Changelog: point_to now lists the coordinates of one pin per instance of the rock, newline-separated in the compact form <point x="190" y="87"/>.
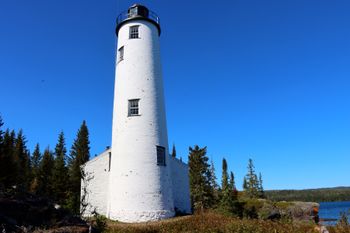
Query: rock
<point x="298" y="210"/>
<point x="303" y="210"/>
<point x="274" y="216"/>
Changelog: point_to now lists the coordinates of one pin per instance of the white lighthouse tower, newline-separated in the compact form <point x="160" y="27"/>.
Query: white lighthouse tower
<point x="140" y="186"/>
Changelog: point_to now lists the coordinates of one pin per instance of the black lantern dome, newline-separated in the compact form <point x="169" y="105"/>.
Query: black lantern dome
<point x="136" y="12"/>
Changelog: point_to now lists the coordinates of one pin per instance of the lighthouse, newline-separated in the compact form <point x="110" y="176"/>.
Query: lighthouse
<point x="140" y="182"/>
<point x="136" y="180"/>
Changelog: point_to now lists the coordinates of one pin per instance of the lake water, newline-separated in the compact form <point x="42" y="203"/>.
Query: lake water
<point x="332" y="210"/>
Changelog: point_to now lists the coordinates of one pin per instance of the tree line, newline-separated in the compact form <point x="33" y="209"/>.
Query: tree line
<point x="313" y="195"/>
<point x="206" y="193"/>
<point x="54" y="174"/>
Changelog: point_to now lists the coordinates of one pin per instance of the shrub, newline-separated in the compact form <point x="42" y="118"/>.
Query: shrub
<point x="252" y="207"/>
<point x="100" y="223"/>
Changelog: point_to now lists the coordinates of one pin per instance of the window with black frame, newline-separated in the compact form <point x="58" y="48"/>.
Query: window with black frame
<point x="134" y="107"/>
<point x="161" y="156"/>
<point x="121" y="54"/>
<point x="134" y="32"/>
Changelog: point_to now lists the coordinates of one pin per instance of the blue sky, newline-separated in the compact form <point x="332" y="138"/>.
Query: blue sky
<point x="267" y="80"/>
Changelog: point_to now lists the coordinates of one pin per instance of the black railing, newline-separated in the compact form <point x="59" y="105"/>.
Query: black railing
<point x="125" y="15"/>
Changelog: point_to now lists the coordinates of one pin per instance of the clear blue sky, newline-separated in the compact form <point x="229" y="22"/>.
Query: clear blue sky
<point x="267" y="80"/>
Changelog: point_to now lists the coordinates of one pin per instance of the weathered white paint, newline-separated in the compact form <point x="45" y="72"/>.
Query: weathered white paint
<point x="96" y="183"/>
<point x="181" y="186"/>
<point x="140" y="190"/>
<point x="135" y="188"/>
<point x="96" y="171"/>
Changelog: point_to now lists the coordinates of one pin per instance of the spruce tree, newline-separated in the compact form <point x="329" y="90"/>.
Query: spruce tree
<point x="245" y="186"/>
<point x="45" y="174"/>
<point x="173" y="153"/>
<point x="60" y="171"/>
<point x="8" y="168"/>
<point x="214" y="185"/>
<point x="224" y="177"/>
<point x="1" y="134"/>
<point x="79" y="154"/>
<point x="260" y="187"/>
<point x="226" y="202"/>
<point x="199" y="175"/>
<point x="233" y="189"/>
<point x="4" y="158"/>
<point x="252" y="183"/>
<point x="36" y="160"/>
<point x="22" y="159"/>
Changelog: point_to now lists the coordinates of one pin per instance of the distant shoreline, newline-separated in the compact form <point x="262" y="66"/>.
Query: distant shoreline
<point x="310" y="195"/>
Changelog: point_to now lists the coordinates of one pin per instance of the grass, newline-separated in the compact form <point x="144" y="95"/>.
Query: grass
<point x="213" y="223"/>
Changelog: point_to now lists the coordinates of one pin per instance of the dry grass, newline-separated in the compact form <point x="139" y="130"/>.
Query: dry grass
<point x="212" y="222"/>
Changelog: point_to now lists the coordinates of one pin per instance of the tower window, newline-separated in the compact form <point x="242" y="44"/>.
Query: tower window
<point x="160" y="155"/>
<point x="134" y="32"/>
<point x="121" y="54"/>
<point x="109" y="161"/>
<point x="133" y="107"/>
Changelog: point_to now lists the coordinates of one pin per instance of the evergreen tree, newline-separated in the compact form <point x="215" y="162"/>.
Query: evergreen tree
<point x="22" y="159"/>
<point x="79" y="154"/>
<point x="226" y="202"/>
<point x="199" y="175"/>
<point x="214" y="185"/>
<point x="8" y="168"/>
<point x="1" y="133"/>
<point x="232" y="184"/>
<point x="232" y="181"/>
<point x="4" y="158"/>
<point x="245" y="185"/>
<point x="260" y="187"/>
<point x="224" y="177"/>
<point x="36" y="160"/>
<point x="45" y="174"/>
<point x="60" y="171"/>
<point x="173" y="154"/>
<point x="252" y="183"/>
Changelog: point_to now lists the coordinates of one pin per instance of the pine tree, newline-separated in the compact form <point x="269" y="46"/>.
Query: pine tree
<point x="214" y="185"/>
<point x="36" y="160"/>
<point x="252" y="183"/>
<point x="232" y="184"/>
<point x="173" y="154"/>
<point x="8" y="168"/>
<point x="45" y="174"/>
<point x="60" y="171"/>
<point x="2" y="161"/>
<point x="245" y="185"/>
<point x="22" y="159"/>
<point x="226" y="202"/>
<point x="6" y="160"/>
<point x="224" y="177"/>
<point x="1" y="133"/>
<point x="199" y="175"/>
<point x="260" y="187"/>
<point x="79" y="154"/>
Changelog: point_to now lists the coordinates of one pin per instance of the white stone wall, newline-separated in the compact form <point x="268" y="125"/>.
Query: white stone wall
<point x="97" y="180"/>
<point x="97" y="185"/>
<point x="181" y="186"/>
